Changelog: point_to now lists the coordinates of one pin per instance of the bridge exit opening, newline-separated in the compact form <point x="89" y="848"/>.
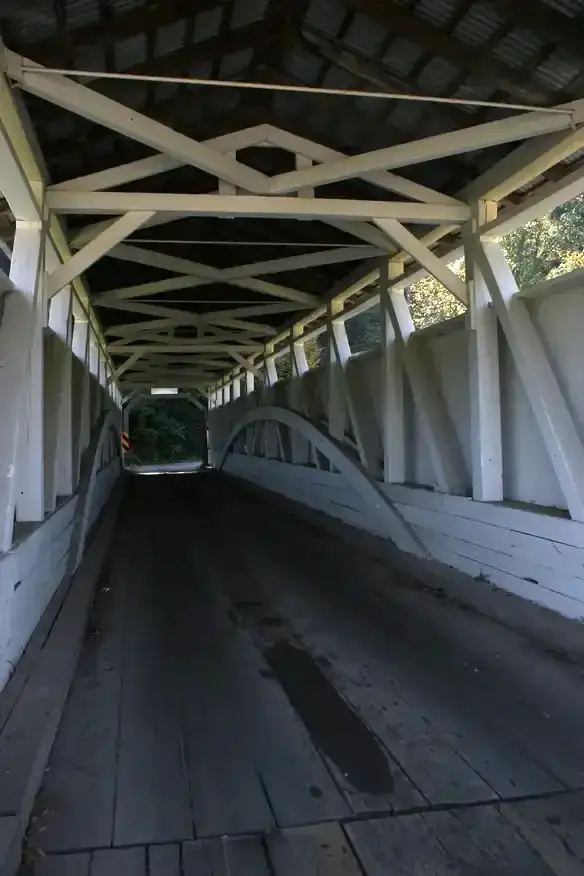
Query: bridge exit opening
<point x="167" y="431"/>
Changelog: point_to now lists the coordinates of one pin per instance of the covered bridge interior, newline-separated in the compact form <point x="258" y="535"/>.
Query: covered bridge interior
<point x="352" y="642"/>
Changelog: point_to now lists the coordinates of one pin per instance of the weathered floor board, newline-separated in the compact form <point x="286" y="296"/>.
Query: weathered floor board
<point x="313" y="851"/>
<point x="255" y="698"/>
<point x="471" y="704"/>
<point x="76" y="864"/>
<point x="118" y="862"/>
<point x="164" y="860"/>
<point x="75" y="807"/>
<point x="555" y="828"/>
<point x="441" y="843"/>
<point x="152" y="800"/>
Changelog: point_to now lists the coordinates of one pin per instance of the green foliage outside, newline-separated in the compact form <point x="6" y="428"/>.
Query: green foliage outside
<point x="314" y="353"/>
<point x="166" y="430"/>
<point x="542" y="249"/>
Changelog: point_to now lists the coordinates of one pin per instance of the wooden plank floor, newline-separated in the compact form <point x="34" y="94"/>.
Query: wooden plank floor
<point x="256" y="697"/>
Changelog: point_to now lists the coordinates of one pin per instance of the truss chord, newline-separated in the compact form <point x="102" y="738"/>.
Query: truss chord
<point x="303" y="89"/>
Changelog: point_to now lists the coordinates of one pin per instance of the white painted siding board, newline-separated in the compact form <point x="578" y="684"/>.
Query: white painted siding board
<point x="418" y="460"/>
<point x="559" y="320"/>
<point x="528" y="475"/>
<point x="539" y="577"/>
<point x="36" y="567"/>
<point x="571" y="608"/>
<point x="508" y="558"/>
<point x="336" y="500"/>
<point x="557" y="529"/>
<point x="522" y="546"/>
<point x="449" y="354"/>
<point x="29" y="551"/>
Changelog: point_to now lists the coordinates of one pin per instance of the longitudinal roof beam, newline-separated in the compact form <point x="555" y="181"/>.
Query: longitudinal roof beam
<point x="254" y="205"/>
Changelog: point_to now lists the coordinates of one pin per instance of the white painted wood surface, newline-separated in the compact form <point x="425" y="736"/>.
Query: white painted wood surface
<point x="444" y="347"/>
<point x="32" y="571"/>
<point x="517" y="550"/>
<point x="484" y="377"/>
<point x="526" y="543"/>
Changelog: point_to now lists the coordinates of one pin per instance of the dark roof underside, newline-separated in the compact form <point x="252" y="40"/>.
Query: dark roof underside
<point x="527" y="51"/>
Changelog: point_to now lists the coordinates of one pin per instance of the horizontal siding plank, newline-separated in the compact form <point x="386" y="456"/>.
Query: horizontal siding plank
<point x="521" y="567"/>
<point x="565" y="605"/>
<point x="563" y="559"/>
<point x="536" y="523"/>
<point x="511" y="548"/>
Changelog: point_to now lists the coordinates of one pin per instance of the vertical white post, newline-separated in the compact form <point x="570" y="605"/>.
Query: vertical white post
<point x="93" y="354"/>
<point x="59" y="387"/>
<point x="81" y="334"/>
<point x="338" y="347"/>
<point x="103" y="370"/>
<point x="235" y="396"/>
<point x="95" y="369"/>
<point x="270" y="364"/>
<point x="483" y="368"/>
<point x="99" y="382"/>
<point x="300" y="448"/>
<point x="548" y="404"/>
<point x="17" y="336"/>
<point x="249" y="383"/>
<point x="250" y="431"/>
<point x="298" y="360"/>
<point x="363" y="428"/>
<point x="271" y="439"/>
<point x="392" y="401"/>
<point x="60" y="309"/>
<point x="27" y="272"/>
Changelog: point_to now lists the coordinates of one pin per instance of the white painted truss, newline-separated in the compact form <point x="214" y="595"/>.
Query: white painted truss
<point x="230" y="351"/>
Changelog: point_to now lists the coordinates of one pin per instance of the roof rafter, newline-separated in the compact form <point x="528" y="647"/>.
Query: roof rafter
<point x="546" y="21"/>
<point x="122" y="26"/>
<point x="373" y="73"/>
<point x="402" y="20"/>
<point x="216" y="47"/>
